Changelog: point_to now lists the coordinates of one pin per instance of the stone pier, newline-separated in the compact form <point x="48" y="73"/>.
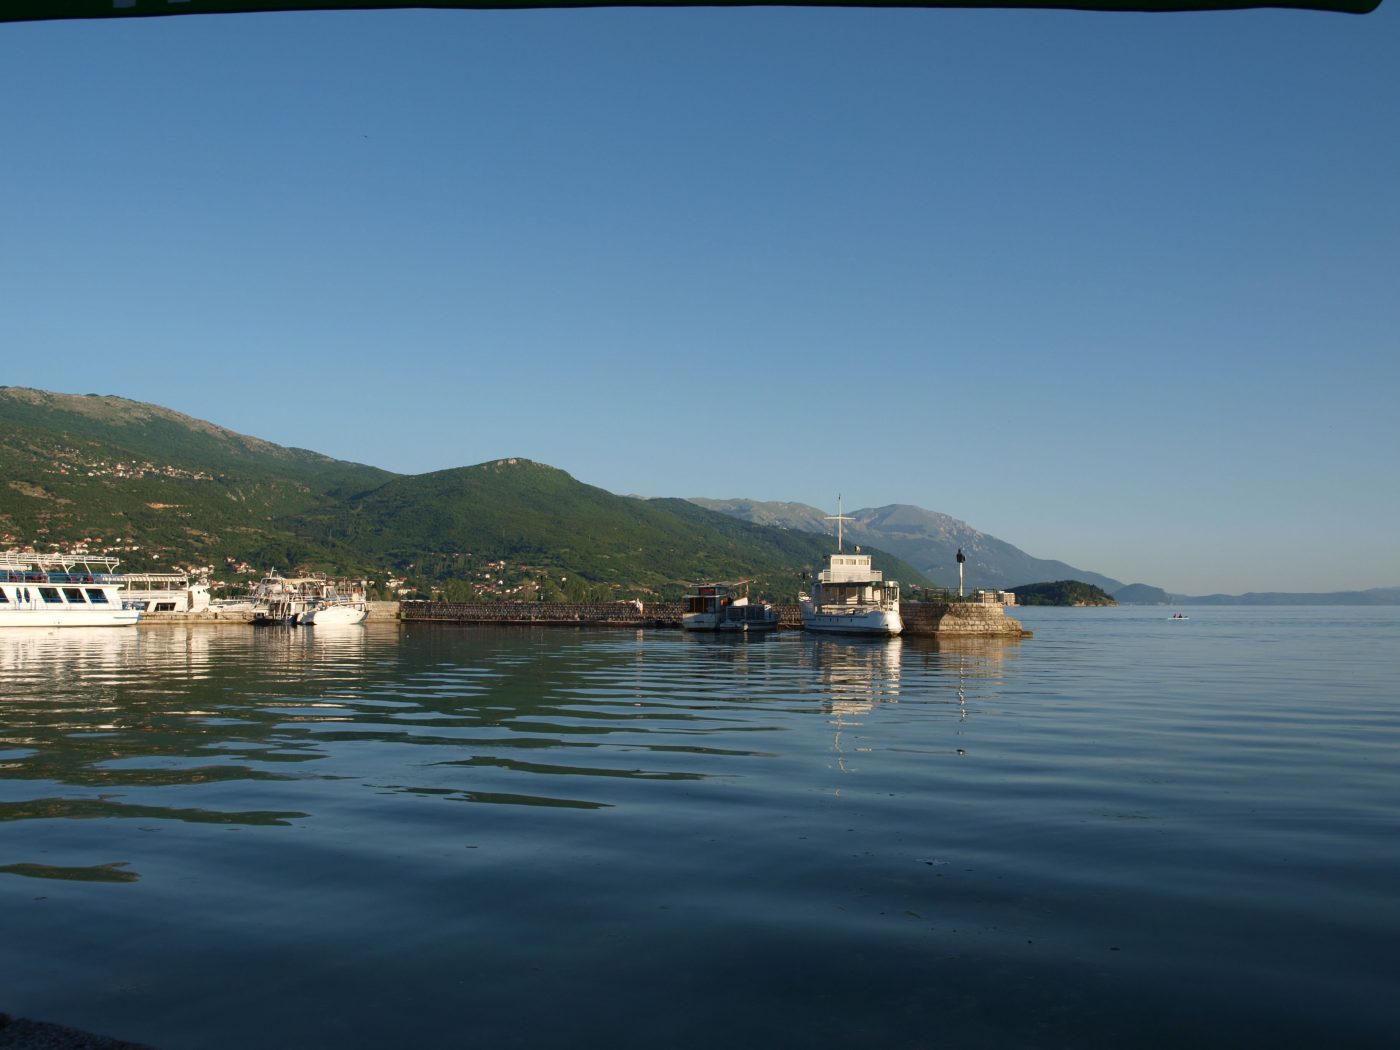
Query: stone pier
<point x="378" y="612"/>
<point x="960" y="619"/>
<point x="942" y="619"/>
<point x="970" y="619"/>
<point x="546" y="614"/>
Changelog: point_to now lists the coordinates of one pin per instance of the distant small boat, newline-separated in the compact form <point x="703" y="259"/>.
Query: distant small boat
<point x="1178" y="616"/>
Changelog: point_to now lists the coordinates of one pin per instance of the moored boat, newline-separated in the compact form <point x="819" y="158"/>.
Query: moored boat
<point x="849" y="596"/>
<point x="165" y="592"/>
<point x="61" y="590"/>
<point x="306" y="600"/>
<point x="330" y="614"/>
<point x="707" y="608"/>
<point x="283" y="599"/>
<point x="752" y="616"/>
<point x="331" y="608"/>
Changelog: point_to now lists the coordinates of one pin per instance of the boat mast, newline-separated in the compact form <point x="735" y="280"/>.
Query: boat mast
<point x="838" y="517"/>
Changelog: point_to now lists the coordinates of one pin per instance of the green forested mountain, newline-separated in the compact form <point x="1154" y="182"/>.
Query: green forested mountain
<point x="156" y="486"/>
<point x="159" y="489"/>
<point x="561" y="537"/>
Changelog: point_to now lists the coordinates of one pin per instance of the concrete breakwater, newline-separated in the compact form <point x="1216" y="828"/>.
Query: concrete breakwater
<point x="943" y="619"/>
<point x="562" y="614"/>
<point x="966" y="619"/>
<point x="378" y="612"/>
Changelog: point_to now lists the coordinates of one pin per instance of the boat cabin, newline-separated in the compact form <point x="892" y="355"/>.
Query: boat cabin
<point x="715" y="597"/>
<point x="850" y="580"/>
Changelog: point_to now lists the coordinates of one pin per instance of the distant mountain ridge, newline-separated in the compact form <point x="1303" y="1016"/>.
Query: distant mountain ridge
<point x="1141" y="594"/>
<point x="1373" y="596"/>
<point x="926" y="539"/>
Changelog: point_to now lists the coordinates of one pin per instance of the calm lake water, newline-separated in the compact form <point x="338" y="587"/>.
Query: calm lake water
<point x="1123" y="831"/>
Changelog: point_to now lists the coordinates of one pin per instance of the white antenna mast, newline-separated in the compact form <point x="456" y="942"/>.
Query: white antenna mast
<point x="838" y="517"/>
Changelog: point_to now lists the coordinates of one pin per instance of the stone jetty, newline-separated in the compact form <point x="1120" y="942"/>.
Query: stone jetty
<point x="378" y="612"/>
<point x="970" y="619"/>
<point x="942" y="619"/>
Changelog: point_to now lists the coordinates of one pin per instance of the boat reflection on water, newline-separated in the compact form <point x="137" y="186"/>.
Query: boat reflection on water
<point x="860" y="676"/>
<point x="321" y="667"/>
<point x="160" y="650"/>
<point x="341" y="639"/>
<point x="41" y="648"/>
<point x="157" y="650"/>
<point x="856" y="674"/>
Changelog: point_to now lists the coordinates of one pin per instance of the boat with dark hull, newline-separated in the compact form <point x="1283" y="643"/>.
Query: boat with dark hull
<point x="726" y="607"/>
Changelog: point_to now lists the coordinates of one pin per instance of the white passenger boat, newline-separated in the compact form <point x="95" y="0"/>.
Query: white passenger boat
<point x="61" y="590"/>
<point x="850" y="597"/>
<point x="165" y="592"/>
<point x="727" y="607"/>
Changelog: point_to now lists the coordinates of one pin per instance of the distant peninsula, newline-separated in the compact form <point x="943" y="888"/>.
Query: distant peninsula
<point x="1374" y="596"/>
<point x="1062" y="592"/>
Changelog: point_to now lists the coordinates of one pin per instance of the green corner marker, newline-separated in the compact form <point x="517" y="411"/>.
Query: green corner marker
<point x="41" y="10"/>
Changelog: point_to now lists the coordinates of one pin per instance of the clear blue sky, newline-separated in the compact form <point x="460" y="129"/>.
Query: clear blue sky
<point x="1118" y="289"/>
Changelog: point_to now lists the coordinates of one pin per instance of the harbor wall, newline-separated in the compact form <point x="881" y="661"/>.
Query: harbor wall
<point x="563" y="614"/>
<point x="943" y="619"/>
<point x="377" y="612"/>
<point x="968" y="619"/>
<point x="156" y="619"/>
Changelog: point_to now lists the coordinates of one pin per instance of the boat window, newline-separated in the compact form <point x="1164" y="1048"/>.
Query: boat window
<point x="50" y="594"/>
<point x="74" y="594"/>
<point x="4" y="595"/>
<point x="164" y="607"/>
<point x="97" y="596"/>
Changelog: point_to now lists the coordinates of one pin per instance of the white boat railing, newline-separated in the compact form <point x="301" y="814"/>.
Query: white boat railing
<point x="33" y="567"/>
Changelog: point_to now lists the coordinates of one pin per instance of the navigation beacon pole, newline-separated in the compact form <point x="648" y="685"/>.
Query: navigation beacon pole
<point x="961" y="558"/>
